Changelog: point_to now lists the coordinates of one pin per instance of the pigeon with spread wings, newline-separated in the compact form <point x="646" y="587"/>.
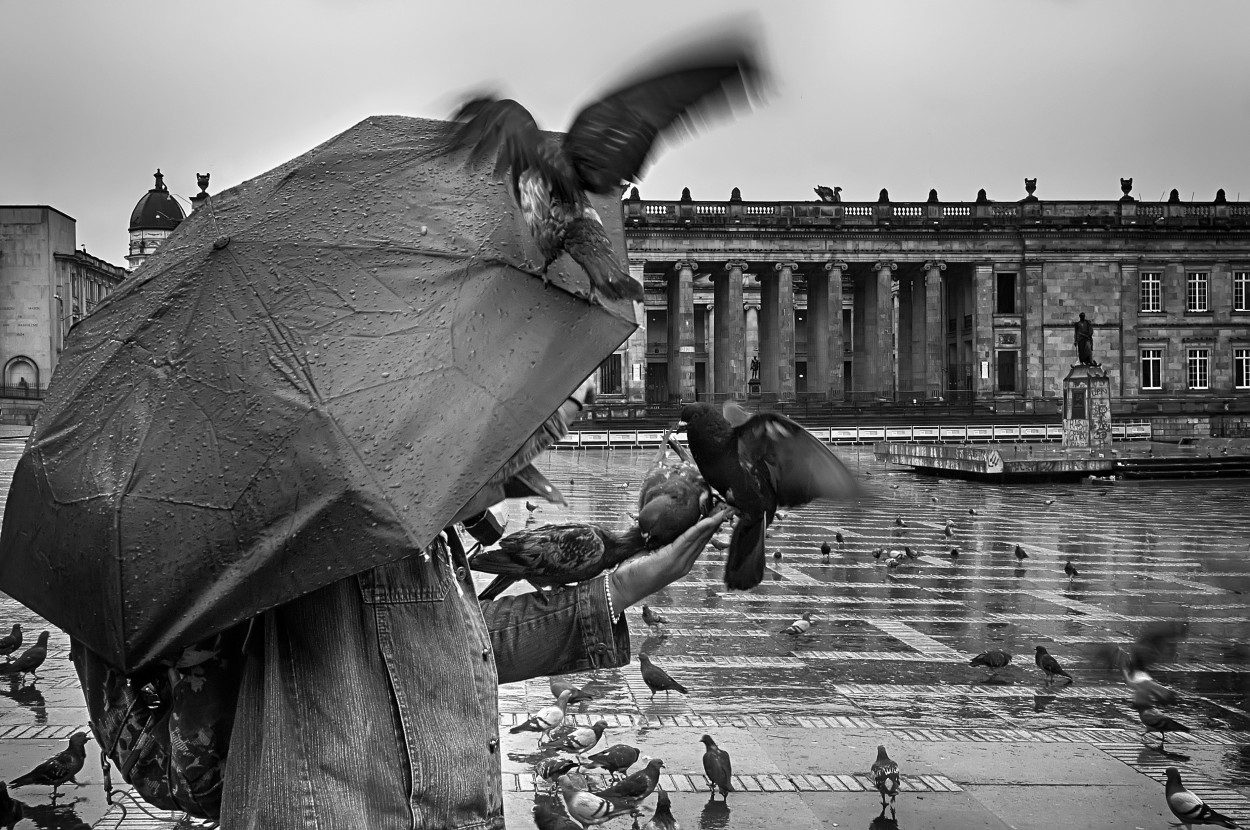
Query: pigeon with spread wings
<point x="759" y="463"/>
<point x="608" y="144"/>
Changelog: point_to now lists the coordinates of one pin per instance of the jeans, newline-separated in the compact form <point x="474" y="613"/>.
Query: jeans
<point x="372" y="703"/>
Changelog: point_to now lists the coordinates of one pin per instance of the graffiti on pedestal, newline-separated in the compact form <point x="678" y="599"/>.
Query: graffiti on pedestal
<point x="1100" y="413"/>
<point x="1076" y="433"/>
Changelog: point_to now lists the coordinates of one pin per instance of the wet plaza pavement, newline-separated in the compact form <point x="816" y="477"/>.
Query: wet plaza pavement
<point x="886" y="661"/>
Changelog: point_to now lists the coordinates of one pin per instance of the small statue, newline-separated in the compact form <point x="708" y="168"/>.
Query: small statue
<point x="755" y="368"/>
<point x="1084" y="331"/>
<point x="828" y="194"/>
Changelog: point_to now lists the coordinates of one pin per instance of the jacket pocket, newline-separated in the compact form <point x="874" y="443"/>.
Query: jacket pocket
<point x="423" y="577"/>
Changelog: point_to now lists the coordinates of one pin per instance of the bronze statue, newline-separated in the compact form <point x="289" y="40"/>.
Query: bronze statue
<point x="1084" y="331"/>
<point x="755" y="368"/>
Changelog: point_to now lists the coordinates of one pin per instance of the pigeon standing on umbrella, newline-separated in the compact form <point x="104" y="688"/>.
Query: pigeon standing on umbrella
<point x="759" y="463"/>
<point x="718" y="768"/>
<point x="657" y="679"/>
<point x="554" y="555"/>
<point x="546" y="719"/>
<point x="885" y="776"/>
<point x="12" y="641"/>
<point x="1188" y="808"/>
<point x="60" y="768"/>
<point x="1049" y="665"/>
<point x="608" y="143"/>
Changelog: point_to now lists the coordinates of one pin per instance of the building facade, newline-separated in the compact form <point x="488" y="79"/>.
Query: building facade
<point x="887" y="302"/>
<point x="156" y="215"/>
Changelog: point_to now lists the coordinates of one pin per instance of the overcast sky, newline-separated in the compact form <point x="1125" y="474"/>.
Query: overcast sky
<point x="866" y="94"/>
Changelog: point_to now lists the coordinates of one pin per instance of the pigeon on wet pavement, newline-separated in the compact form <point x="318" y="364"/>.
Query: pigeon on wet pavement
<point x="657" y="679"/>
<point x="800" y="626"/>
<point x="576" y="693"/>
<point x="547" y="718"/>
<point x="662" y="818"/>
<point x="60" y="768"/>
<point x="12" y="641"/>
<point x="550" y="769"/>
<point x="759" y="464"/>
<point x="586" y="807"/>
<point x="993" y="660"/>
<point x="636" y="786"/>
<point x="1020" y="554"/>
<point x="547" y="817"/>
<point x="615" y="759"/>
<point x="580" y="738"/>
<point x="554" y="555"/>
<point x="717" y="767"/>
<point x="10" y="811"/>
<point x="1156" y="721"/>
<point x="898" y="522"/>
<point x="1049" y="665"/>
<point x="839" y="538"/>
<point x="1071" y="570"/>
<point x="885" y="776"/>
<point x="1188" y="808"/>
<point x="29" y="661"/>
<point x="949" y="532"/>
<point x="654" y="620"/>
<point x="673" y="497"/>
<point x="825" y="549"/>
<point x="1147" y="691"/>
<point x="954" y="553"/>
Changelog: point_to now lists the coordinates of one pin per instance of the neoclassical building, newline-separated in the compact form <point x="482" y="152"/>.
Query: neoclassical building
<point x="953" y="301"/>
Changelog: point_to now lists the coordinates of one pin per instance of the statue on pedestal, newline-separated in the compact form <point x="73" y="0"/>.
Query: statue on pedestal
<point x="1084" y="332"/>
<point x="755" y="368"/>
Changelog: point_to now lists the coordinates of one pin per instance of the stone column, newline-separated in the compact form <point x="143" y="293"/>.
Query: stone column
<point x="785" y="329"/>
<point x="768" y="334"/>
<point x="835" y="347"/>
<point x="1032" y="370"/>
<point x="729" y="336"/>
<point x="681" y="331"/>
<point x="635" y="370"/>
<point x="819" y="355"/>
<point x="934" y="342"/>
<point x="906" y="297"/>
<point x="884" y="363"/>
<point x="1130" y="307"/>
<point x="983" y="331"/>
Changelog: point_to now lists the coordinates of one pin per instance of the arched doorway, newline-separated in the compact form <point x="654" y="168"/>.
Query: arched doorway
<point x="21" y="377"/>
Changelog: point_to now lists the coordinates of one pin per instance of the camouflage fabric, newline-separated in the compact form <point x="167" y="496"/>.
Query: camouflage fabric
<point x="167" y="730"/>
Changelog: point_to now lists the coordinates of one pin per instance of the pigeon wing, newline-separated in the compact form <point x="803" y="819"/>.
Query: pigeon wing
<point x="797" y="467"/>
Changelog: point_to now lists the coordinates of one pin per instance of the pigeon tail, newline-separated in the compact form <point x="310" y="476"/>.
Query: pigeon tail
<point x="744" y="566"/>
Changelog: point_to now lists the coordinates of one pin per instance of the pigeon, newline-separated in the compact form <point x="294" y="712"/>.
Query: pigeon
<point x="885" y="776"/>
<point x="949" y="532"/>
<point x="580" y="738"/>
<point x="765" y="462"/>
<point x="547" y="718"/>
<point x="1020" y="554"/>
<point x="60" y="768"/>
<point x="801" y="625"/>
<point x="1049" y="665"/>
<point x="972" y="511"/>
<point x="635" y="787"/>
<point x="954" y="553"/>
<point x="554" y="555"/>
<point x="1188" y="808"/>
<point x="550" y="769"/>
<point x="718" y="768"/>
<point x="1071" y="570"/>
<point x="898" y="520"/>
<point x="530" y="506"/>
<point x="1147" y="692"/>
<point x="608" y="143"/>
<point x="657" y="679"/>
<point x="662" y="818"/>
<point x="10" y="810"/>
<point x="839" y="538"/>
<point x="29" y="660"/>
<point x="876" y="554"/>
<point x="586" y="807"/>
<point x="577" y="695"/>
<point x="911" y="554"/>
<point x="825" y="549"/>
<point x="992" y="660"/>
<point x="1158" y="641"/>
<point x="615" y="759"/>
<point x="12" y="641"/>
<point x="546" y="817"/>
<point x="654" y="620"/>
<point x="673" y="497"/>
<point x="1156" y="721"/>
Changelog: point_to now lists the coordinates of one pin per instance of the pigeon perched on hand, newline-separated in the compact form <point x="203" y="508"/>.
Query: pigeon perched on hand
<point x="12" y="641"/>
<point x="10" y="811"/>
<point x="801" y="625"/>
<point x="1188" y="808"/>
<point x="654" y="620"/>
<point x="580" y="738"/>
<point x="758" y="464"/>
<point x="657" y="679"/>
<point x="885" y="776"/>
<point x="615" y="759"/>
<point x="635" y="787"/>
<point x="60" y="768"/>
<point x="992" y="660"/>
<point x="1156" y="721"/>
<point x="717" y="767"/>
<point x="673" y="496"/>
<point x="576" y="694"/>
<point x="608" y="143"/>
<point x="1049" y="665"/>
<point x="554" y="555"/>
<point x="547" y="718"/>
<point x="29" y="660"/>
<point x="586" y="807"/>
<point x="662" y="818"/>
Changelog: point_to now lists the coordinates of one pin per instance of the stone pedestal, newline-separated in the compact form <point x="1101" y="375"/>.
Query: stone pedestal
<point x="1086" y="409"/>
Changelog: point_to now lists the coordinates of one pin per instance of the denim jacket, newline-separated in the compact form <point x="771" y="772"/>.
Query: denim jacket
<point x="373" y="703"/>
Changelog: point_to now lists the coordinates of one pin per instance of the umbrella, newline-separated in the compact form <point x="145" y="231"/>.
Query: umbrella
<point x="318" y="370"/>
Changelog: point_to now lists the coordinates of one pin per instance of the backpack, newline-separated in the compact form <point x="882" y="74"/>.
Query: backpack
<point x="167" y="729"/>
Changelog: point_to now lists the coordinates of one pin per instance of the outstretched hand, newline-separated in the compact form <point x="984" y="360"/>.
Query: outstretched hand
<point x="644" y="574"/>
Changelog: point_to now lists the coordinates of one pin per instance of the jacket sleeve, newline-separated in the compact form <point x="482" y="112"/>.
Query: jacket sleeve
<point x="555" y="632"/>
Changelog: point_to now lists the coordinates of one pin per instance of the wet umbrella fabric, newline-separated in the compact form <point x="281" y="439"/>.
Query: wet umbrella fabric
<point x="314" y="375"/>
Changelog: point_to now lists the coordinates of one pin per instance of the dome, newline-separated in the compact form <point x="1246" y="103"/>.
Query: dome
<point x="158" y="210"/>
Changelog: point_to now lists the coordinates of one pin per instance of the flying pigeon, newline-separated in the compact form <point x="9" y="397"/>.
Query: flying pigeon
<point x="992" y="660"/>
<point x="636" y="786"/>
<point x="576" y="694"/>
<point x="657" y="679"/>
<point x="1188" y="808"/>
<point x="12" y="641"/>
<point x="1049" y="665"/>
<point x="608" y="143"/>
<point x="654" y="620"/>
<point x="10" y="811"/>
<point x="801" y="625"/>
<point x="29" y="660"/>
<point x="581" y="738"/>
<point x="765" y="462"/>
<point x="586" y="807"/>
<point x="1071" y="570"/>
<point x="554" y="555"/>
<point x="885" y="776"/>
<point x="1156" y="721"/>
<point x="1147" y="692"/>
<point x="1020" y="554"/>
<point x="547" y="718"/>
<point x="615" y="759"/>
<point x="662" y="818"/>
<point x="673" y="496"/>
<point x="60" y="768"/>
<point x="717" y="767"/>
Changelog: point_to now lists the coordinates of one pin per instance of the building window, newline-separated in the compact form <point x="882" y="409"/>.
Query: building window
<point x="1006" y="293"/>
<point x="1196" y="291"/>
<point x="1198" y="368"/>
<point x="610" y="375"/>
<point x="1241" y="291"/>
<point x="1151" y="291"/>
<point x="1152" y="368"/>
<point x="1241" y="368"/>
<point x="1007" y="371"/>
